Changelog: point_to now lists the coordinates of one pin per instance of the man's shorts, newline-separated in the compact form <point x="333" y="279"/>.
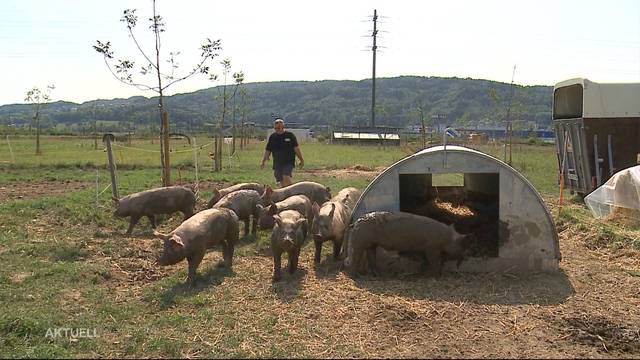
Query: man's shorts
<point x="279" y="171"/>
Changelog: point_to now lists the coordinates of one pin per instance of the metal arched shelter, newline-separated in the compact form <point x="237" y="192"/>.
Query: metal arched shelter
<point x="513" y="228"/>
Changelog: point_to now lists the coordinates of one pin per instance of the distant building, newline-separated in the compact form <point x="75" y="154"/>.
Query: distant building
<point x="366" y="136"/>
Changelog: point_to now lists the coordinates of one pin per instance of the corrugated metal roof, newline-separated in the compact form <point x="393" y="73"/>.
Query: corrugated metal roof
<point x="365" y="136"/>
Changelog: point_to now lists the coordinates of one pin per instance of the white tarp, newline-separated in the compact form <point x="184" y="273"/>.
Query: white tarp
<point x="621" y="190"/>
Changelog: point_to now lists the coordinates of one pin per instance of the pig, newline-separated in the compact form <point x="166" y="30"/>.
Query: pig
<point x="331" y="220"/>
<point x="220" y="193"/>
<point x="407" y="234"/>
<point x="349" y="196"/>
<point x="165" y="200"/>
<point x="287" y="235"/>
<point x="314" y="191"/>
<point x="300" y="203"/>
<point x="243" y="203"/>
<point x="201" y="231"/>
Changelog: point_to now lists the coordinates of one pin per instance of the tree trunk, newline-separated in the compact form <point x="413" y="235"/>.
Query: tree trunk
<point x="95" y="135"/>
<point x="242" y="141"/>
<point x="38" y="151"/>
<point x="233" y="125"/>
<point x="166" y="178"/>
<point x="215" y="150"/>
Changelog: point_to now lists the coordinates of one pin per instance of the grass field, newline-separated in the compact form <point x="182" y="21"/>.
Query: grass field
<point x="66" y="264"/>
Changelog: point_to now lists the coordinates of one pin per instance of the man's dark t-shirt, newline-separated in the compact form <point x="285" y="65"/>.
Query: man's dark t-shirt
<point x="281" y="146"/>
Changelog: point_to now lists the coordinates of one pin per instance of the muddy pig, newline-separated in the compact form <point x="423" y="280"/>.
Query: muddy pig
<point x="201" y="231"/>
<point x="300" y="203"/>
<point x="165" y="200"/>
<point x="331" y="220"/>
<point x="314" y="191"/>
<point x="220" y="193"/>
<point x="287" y="235"/>
<point x="404" y="233"/>
<point x="243" y="203"/>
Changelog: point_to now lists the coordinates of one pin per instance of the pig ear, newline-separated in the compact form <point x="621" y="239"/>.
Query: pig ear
<point x="160" y="235"/>
<point x="278" y="220"/>
<point x="115" y="200"/>
<point x="328" y="191"/>
<point x="315" y="208"/>
<point x="268" y="191"/>
<point x="273" y="208"/>
<point x="301" y="221"/>
<point x="333" y="208"/>
<point x="176" y="243"/>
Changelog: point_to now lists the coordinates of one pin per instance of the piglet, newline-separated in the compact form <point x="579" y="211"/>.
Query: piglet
<point x="300" y="203"/>
<point x="331" y="220"/>
<point x="314" y="191"/>
<point x="243" y="203"/>
<point x="407" y="234"/>
<point x="201" y="231"/>
<point x="164" y="200"/>
<point x="220" y="193"/>
<point x="287" y="235"/>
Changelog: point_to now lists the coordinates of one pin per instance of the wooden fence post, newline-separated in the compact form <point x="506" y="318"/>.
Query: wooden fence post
<point x="112" y="165"/>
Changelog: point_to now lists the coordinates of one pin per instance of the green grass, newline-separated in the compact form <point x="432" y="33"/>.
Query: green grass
<point x="68" y="158"/>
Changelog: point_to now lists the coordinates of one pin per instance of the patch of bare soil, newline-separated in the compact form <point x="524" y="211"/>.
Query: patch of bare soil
<point x="19" y="277"/>
<point x="602" y="333"/>
<point x="357" y="171"/>
<point x="33" y="189"/>
<point x="131" y="259"/>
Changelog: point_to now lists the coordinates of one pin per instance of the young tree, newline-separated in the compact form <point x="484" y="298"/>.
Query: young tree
<point x="39" y="99"/>
<point x="123" y="70"/>
<point x="244" y="99"/>
<point x="238" y="79"/>
<point x="219" y="136"/>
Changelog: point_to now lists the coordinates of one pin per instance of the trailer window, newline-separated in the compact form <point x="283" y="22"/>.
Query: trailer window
<point x="567" y="102"/>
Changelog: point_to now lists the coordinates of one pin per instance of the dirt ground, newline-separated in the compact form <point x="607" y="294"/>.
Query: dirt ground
<point x="358" y="171"/>
<point x="28" y="190"/>
<point x="590" y="308"/>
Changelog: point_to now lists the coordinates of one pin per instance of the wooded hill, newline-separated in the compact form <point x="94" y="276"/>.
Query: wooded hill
<point x="465" y="102"/>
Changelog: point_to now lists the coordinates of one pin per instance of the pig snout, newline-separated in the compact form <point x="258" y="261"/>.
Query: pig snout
<point x="168" y="259"/>
<point x="162" y="260"/>
<point x="287" y="243"/>
<point x="320" y="236"/>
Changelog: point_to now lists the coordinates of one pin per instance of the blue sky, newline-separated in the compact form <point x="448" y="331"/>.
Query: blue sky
<point x="46" y="42"/>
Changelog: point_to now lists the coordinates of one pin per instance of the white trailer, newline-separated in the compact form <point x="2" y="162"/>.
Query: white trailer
<point x="597" y="128"/>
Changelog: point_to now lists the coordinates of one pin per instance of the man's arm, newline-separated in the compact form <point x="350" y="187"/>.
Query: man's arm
<point x="299" y="155"/>
<point x="265" y="157"/>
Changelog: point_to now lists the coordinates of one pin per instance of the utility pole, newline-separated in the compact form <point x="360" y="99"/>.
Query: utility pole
<point x="422" y="130"/>
<point x="373" y="77"/>
<point x="95" y="128"/>
<point x="509" y="126"/>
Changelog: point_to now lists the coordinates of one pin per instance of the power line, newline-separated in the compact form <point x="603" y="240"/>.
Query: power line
<point x="373" y="77"/>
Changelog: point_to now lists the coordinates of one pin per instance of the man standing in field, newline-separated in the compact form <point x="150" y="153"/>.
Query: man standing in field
<point x="284" y="146"/>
